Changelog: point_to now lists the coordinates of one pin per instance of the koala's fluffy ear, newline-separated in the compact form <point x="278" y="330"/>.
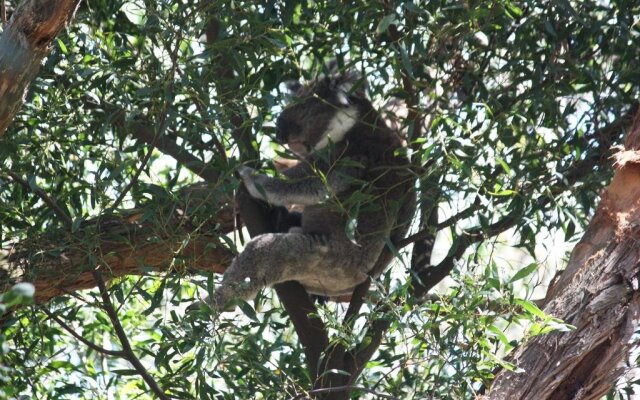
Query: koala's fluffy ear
<point x="348" y="83"/>
<point x="345" y="82"/>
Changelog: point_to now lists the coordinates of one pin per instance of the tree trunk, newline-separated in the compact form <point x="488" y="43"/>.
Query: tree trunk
<point x="24" y="43"/>
<point x="597" y="293"/>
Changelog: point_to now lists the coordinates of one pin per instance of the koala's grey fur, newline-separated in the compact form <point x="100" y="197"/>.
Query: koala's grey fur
<point x="351" y="172"/>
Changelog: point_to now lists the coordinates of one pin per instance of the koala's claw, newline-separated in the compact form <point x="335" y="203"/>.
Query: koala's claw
<point x="246" y="172"/>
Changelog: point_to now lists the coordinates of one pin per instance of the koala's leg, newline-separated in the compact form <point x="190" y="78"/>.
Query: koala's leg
<point x="269" y="259"/>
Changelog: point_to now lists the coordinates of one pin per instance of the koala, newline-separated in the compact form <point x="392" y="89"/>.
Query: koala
<point x="355" y="184"/>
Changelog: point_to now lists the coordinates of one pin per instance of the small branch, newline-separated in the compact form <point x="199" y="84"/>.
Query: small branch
<point x="3" y="12"/>
<point x="357" y="300"/>
<point x="304" y="316"/>
<point x="337" y="389"/>
<point x="124" y="341"/>
<point x="66" y="219"/>
<point x="357" y="359"/>
<point x="143" y="132"/>
<point x="88" y="343"/>
<point x="135" y="177"/>
<point x="432" y="276"/>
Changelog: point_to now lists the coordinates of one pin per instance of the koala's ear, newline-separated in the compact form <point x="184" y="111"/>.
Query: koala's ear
<point x="332" y="67"/>
<point x="349" y="83"/>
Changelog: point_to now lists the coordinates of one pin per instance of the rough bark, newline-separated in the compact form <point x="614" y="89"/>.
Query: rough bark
<point x="597" y="293"/>
<point x="125" y="244"/>
<point x="24" y="43"/>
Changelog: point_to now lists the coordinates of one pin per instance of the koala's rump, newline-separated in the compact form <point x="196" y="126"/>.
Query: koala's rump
<point x="346" y="262"/>
<point x="340" y="270"/>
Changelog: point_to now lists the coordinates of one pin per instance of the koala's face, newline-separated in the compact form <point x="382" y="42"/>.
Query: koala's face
<point x="305" y="124"/>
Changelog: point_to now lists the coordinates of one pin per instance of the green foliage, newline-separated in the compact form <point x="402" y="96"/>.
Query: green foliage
<point x="515" y="98"/>
<point x="19" y="295"/>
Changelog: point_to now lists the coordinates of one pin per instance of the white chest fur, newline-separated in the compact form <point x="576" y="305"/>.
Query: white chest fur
<point x="339" y="125"/>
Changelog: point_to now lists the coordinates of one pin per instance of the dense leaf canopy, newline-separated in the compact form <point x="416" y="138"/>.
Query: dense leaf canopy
<point x="143" y="111"/>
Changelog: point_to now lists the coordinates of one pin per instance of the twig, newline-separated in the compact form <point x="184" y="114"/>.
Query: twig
<point x="345" y="388"/>
<point x="88" y="343"/>
<point x="135" y="177"/>
<point x="3" y="12"/>
<point x="163" y="122"/>
<point x="66" y="219"/>
<point x="194" y="164"/>
<point x="357" y="299"/>
<point x="129" y="355"/>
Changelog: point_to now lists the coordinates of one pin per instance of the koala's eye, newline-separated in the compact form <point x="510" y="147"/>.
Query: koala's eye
<point x="322" y="89"/>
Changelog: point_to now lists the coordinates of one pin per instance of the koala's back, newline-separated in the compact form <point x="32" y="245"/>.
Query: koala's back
<point x="360" y="223"/>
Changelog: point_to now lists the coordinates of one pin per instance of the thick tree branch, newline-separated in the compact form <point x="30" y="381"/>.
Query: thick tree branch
<point x="303" y="313"/>
<point x="24" y="43"/>
<point x="59" y="261"/>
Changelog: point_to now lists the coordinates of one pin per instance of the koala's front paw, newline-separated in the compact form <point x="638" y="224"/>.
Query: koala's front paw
<point x="247" y="173"/>
<point x="222" y="302"/>
<point x="251" y="177"/>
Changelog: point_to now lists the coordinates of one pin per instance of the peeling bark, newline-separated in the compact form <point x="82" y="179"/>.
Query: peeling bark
<point x="24" y="43"/>
<point x="597" y="293"/>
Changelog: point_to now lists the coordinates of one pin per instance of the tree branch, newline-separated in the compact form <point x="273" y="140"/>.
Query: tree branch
<point x="129" y="355"/>
<point x="142" y="132"/>
<point x="57" y="261"/>
<point x="88" y="343"/>
<point x="302" y="311"/>
<point x="345" y="388"/>
<point x="53" y="205"/>
<point x="296" y="301"/>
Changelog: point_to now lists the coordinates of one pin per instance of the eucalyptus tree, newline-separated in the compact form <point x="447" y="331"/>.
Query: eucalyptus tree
<point x="123" y="124"/>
